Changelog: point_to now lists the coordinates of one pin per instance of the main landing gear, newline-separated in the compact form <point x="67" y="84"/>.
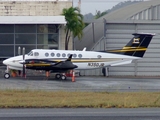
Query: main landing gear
<point x="60" y="76"/>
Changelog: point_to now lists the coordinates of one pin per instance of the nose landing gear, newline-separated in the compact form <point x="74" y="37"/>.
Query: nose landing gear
<point x="6" y="75"/>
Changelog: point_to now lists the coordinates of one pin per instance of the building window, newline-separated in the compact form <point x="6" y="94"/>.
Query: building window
<point x="6" y="28"/>
<point x="47" y="28"/>
<point x="22" y="28"/>
<point x="6" y="38"/>
<point x="47" y="39"/>
<point x="6" y="51"/>
<point x="25" y="38"/>
<point x="52" y="38"/>
<point x="30" y="36"/>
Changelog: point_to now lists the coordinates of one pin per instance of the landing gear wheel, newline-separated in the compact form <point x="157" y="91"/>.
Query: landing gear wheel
<point x="6" y="75"/>
<point x="63" y="77"/>
<point x="58" y="76"/>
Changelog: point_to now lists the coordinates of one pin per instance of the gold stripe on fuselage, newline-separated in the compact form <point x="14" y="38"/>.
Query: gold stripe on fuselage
<point x="37" y="64"/>
<point x="74" y="60"/>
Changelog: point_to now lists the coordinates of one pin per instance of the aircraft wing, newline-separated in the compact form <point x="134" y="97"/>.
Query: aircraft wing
<point x="48" y="65"/>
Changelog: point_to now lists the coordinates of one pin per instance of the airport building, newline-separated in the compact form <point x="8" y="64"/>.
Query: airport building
<point x="31" y="24"/>
<point x="115" y="29"/>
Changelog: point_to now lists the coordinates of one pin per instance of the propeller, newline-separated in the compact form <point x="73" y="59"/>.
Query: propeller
<point x="23" y="51"/>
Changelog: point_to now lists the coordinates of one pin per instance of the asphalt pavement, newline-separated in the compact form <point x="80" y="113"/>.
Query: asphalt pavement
<point x="83" y="83"/>
<point x="80" y="114"/>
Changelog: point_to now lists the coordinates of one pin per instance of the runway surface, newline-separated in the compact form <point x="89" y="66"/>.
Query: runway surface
<point x="82" y="84"/>
<point x="80" y="114"/>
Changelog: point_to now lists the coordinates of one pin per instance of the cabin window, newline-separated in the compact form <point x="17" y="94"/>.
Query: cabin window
<point x="68" y="54"/>
<point x="52" y="54"/>
<point x="58" y="54"/>
<point x="80" y="55"/>
<point x="36" y="54"/>
<point x="46" y="54"/>
<point x="63" y="55"/>
<point x="99" y="56"/>
<point x="74" y="55"/>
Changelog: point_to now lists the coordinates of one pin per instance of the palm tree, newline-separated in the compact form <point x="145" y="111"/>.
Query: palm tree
<point x="74" y="24"/>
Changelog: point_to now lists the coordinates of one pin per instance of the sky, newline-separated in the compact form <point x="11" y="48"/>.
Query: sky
<point x="91" y="6"/>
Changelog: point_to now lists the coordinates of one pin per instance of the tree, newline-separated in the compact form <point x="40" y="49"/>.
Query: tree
<point x="99" y="14"/>
<point x="74" y="24"/>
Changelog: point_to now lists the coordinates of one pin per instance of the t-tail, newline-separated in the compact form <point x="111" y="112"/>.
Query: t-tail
<point x="137" y="46"/>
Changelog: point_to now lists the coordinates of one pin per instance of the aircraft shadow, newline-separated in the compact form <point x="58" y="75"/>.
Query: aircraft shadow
<point x="41" y="78"/>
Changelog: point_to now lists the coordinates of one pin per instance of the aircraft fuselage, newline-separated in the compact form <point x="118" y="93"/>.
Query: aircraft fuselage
<point x="81" y="59"/>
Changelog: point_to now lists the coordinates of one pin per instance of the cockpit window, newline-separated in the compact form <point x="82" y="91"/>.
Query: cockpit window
<point x="30" y="53"/>
<point x="36" y="54"/>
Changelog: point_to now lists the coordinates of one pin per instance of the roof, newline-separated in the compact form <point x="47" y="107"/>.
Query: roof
<point x="130" y="10"/>
<point x="35" y="0"/>
<point x="121" y="14"/>
<point x="32" y="20"/>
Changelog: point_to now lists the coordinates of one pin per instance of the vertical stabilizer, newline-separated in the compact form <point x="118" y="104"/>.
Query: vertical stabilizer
<point x="137" y="46"/>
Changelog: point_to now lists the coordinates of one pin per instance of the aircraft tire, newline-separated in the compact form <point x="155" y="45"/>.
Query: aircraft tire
<point x="6" y="75"/>
<point x="63" y="77"/>
<point x="58" y="76"/>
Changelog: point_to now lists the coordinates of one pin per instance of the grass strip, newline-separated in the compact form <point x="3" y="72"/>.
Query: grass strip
<point x="62" y="99"/>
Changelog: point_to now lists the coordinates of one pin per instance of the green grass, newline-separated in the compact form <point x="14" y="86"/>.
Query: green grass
<point x="59" y="99"/>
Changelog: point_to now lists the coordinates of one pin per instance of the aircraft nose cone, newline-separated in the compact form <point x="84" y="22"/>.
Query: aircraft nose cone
<point x="5" y="62"/>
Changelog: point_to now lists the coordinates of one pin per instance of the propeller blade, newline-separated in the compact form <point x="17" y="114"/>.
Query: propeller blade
<point x="24" y="73"/>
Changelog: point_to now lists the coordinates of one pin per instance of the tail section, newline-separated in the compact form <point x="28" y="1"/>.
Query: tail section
<point x="137" y="46"/>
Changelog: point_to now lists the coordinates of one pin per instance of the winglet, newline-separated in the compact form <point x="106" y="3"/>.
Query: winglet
<point x="69" y="58"/>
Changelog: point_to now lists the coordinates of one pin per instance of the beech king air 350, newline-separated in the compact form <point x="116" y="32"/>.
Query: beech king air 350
<point x="60" y="61"/>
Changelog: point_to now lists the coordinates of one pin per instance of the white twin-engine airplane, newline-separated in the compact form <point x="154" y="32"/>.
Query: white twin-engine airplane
<point x="61" y="61"/>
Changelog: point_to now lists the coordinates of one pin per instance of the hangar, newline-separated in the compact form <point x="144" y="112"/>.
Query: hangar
<point x="115" y="29"/>
<point x="31" y="24"/>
